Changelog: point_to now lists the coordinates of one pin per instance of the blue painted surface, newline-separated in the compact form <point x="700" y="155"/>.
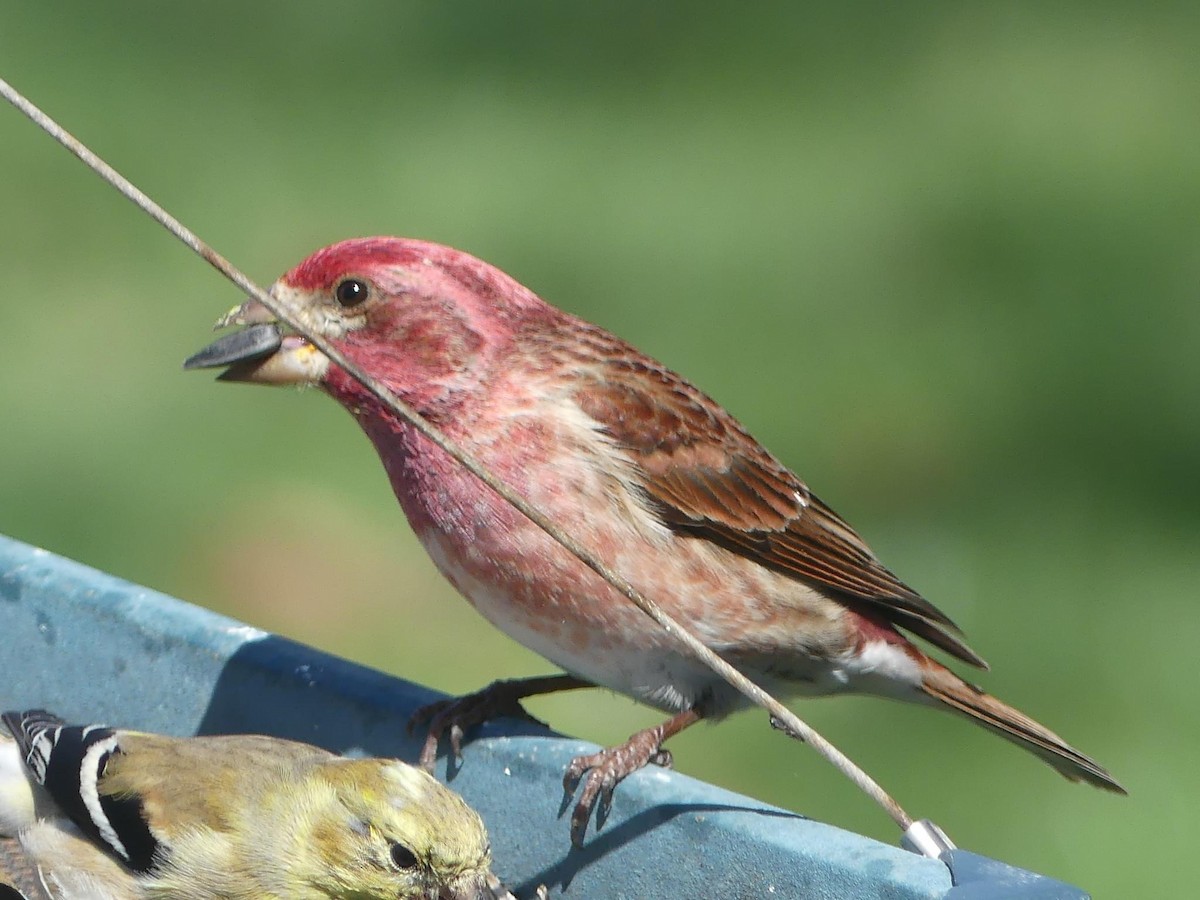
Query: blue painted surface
<point x="94" y="648"/>
<point x="979" y="878"/>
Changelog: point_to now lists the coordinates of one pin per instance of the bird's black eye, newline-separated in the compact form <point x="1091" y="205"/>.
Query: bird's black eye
<point x="351" y="292"/>
<point x="402" y="857"/>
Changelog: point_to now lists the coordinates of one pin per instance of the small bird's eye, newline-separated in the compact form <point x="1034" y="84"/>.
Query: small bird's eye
<point x="352" y="292"/>
<point x="402" y="857"/>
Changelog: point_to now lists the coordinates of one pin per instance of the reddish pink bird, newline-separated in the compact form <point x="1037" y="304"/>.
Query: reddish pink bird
<point x="646" y="470"/>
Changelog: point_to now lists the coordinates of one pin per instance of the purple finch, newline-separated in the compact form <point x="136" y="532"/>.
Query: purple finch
<point x="658" y="479"/>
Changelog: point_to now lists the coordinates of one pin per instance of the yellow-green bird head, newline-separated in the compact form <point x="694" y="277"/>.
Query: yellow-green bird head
<point x="389" y="830"/>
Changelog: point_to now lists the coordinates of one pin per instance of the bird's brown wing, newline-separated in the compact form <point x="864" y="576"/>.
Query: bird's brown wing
<point x="708" y="477"/>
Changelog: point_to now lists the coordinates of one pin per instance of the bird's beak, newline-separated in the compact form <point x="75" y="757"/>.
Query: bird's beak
<point x="260" y="353"/>
<point x="482" y="887"/>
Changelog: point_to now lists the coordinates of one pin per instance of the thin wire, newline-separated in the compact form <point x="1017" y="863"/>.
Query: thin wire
<point x="781" y="716"/>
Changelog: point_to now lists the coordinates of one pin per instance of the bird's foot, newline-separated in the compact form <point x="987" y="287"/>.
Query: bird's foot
<point x="453" y="716"/>
<point x="604" y="771"/>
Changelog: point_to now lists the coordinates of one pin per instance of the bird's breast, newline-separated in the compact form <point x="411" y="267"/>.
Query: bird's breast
<point x="534" y="590"/>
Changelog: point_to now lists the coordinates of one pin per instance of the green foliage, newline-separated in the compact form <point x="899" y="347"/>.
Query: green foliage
<point x="942" y="259"/>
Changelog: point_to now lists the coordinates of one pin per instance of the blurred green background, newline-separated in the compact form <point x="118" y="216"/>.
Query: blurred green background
<point x="942" y="259"/>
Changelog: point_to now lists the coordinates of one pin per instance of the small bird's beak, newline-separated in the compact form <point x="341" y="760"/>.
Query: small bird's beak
<point x="482" y="887"/>
<point x="260" y="353"/>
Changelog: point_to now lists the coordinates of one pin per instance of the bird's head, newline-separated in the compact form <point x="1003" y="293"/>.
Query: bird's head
<point x="423" y="318"/>
<point x="384" y="829"/>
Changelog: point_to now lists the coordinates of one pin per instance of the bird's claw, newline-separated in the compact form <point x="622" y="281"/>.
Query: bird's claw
<point x="452" y="717"/>
<point x="456" y="739"/>
<point x="780" y="725"/>
<point x="604" y="771"/>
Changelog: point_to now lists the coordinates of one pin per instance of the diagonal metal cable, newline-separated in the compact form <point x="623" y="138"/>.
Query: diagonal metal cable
<point x="782" y="717"/>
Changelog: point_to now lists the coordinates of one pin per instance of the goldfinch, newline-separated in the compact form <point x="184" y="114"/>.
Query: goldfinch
<point x="240" y="816"/>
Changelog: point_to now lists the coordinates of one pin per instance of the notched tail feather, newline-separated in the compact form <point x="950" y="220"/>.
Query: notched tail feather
<point x="947" y="688"/>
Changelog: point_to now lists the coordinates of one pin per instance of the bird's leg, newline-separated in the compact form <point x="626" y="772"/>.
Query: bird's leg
<point x="500" y="698"/>
<point x="606" y="769"/>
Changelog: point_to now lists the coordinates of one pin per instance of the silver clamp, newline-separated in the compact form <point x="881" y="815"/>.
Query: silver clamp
<point x="926" y="839"/>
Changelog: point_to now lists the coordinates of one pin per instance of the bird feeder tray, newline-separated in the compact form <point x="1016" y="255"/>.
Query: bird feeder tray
<point x="94" y="648"/>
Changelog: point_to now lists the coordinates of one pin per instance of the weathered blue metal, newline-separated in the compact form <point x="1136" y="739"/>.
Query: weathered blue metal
<point x="92" y="647"/>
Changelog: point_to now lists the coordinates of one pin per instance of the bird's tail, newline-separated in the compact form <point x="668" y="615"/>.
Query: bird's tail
<point x="950" y="691"/>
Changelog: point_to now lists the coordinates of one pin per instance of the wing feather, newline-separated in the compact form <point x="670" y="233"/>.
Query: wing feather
<point x="709" y="478"/>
